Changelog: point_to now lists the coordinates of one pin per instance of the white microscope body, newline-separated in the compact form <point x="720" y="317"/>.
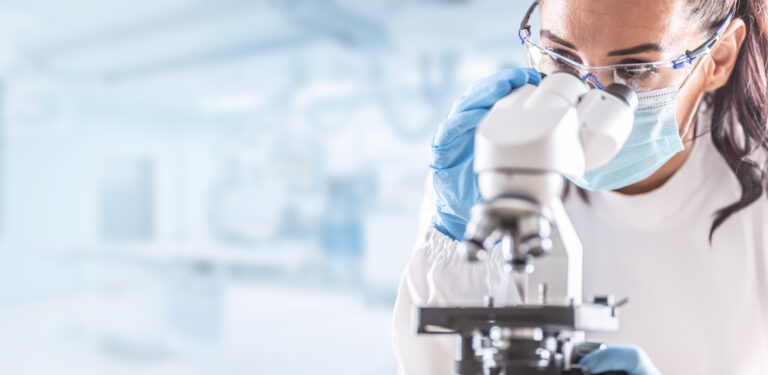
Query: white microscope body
<point x="523" y="148"/>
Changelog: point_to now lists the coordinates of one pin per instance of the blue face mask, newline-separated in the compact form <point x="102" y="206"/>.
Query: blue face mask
<point x="653" y="141"/>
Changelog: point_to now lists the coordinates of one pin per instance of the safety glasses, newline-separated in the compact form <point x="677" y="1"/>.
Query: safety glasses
<point x="641" y="77"/>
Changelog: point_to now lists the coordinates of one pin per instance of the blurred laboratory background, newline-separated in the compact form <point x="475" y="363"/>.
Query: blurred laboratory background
<point x="221" y="187"/>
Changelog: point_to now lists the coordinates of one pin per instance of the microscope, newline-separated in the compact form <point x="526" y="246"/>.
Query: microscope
<point x="523" y="148"/>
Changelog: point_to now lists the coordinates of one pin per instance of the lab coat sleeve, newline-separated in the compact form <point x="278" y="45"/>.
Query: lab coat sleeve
<point x="437" y="276"/>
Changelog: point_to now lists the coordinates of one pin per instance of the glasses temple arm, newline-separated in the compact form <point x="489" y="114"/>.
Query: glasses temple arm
<point x="690" y="56"/>
<point x="525" y="28"/>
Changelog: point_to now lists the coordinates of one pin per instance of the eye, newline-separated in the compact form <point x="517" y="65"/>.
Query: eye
<point x="636" y="72"/>
<point x="551" y="63"/>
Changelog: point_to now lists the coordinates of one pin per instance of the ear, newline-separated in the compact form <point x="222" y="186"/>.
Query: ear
<point x="725" y="54"/>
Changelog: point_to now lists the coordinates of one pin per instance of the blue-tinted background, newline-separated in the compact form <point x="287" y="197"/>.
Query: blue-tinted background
<point x="220" y="187"/>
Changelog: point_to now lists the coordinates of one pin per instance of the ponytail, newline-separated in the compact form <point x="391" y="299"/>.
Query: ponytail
<point x="740" y="108"/>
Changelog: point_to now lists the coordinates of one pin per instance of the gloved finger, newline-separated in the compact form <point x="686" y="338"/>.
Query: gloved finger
<point x="455" y="128"/>
<point x="453" y="190"/>
<point x="629" y="359"/>
<point x="472" y="107"/>
<point x="488" y="91"/>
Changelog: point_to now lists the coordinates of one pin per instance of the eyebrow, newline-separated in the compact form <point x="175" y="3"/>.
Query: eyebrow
<point x="621" y="52"/>
<point x="637" y="49"/>
<point x="549" y="35"/>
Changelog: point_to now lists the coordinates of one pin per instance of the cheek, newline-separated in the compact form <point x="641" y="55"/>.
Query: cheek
<point x="687" y="100"/>
<point x="685" y="103"/>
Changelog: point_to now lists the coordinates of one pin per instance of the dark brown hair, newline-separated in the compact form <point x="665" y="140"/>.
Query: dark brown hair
<point x="740" y="108"/>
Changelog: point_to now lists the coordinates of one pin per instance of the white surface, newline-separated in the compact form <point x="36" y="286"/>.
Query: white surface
<point x="265" y="330"/>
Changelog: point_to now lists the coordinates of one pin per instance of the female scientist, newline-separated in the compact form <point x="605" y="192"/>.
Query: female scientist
<point x="679" y="222"/>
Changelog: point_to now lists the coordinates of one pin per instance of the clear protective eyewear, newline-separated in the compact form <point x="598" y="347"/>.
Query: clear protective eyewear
<point x="640" y="77"/>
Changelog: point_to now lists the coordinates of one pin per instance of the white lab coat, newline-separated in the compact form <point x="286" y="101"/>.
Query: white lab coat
<point x="695" y="308"/>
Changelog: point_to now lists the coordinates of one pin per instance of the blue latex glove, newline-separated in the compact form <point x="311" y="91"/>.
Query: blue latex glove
<point x="630" y="359"/>
<point x="454" y="143"/>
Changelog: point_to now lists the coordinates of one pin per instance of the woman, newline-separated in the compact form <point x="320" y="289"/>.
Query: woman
<point x="677" y="224"/>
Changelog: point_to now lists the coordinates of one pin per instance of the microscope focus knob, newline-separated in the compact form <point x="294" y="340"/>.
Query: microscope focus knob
<point x="472" y="251"/>
<point x="535" y="232"/>
<point x="537" y="246"/>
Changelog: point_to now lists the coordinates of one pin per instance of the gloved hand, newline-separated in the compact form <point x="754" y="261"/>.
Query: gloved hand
<point x="453" y="148"/>
<point x="630" y="359"/>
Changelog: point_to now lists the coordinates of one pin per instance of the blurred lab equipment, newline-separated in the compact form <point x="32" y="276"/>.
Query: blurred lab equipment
<point x="127" y="200"/>
<point x="520" y="171"/>
<point x="245" y="202"/>
<point x="35" y="105"/>
<point x="195" y="289"/>
<point x="342" y="229"/>
<point x="413" y="113"/>
<point x="168" y="166"/>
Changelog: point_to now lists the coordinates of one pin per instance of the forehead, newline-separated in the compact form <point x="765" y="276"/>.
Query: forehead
<point x="617" y="24"/>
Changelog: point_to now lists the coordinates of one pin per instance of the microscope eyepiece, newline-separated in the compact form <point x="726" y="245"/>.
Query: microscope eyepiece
<point x="623" y="92"/>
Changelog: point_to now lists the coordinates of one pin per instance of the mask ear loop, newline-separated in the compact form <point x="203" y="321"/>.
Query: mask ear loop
<point x="695" y="111"/>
